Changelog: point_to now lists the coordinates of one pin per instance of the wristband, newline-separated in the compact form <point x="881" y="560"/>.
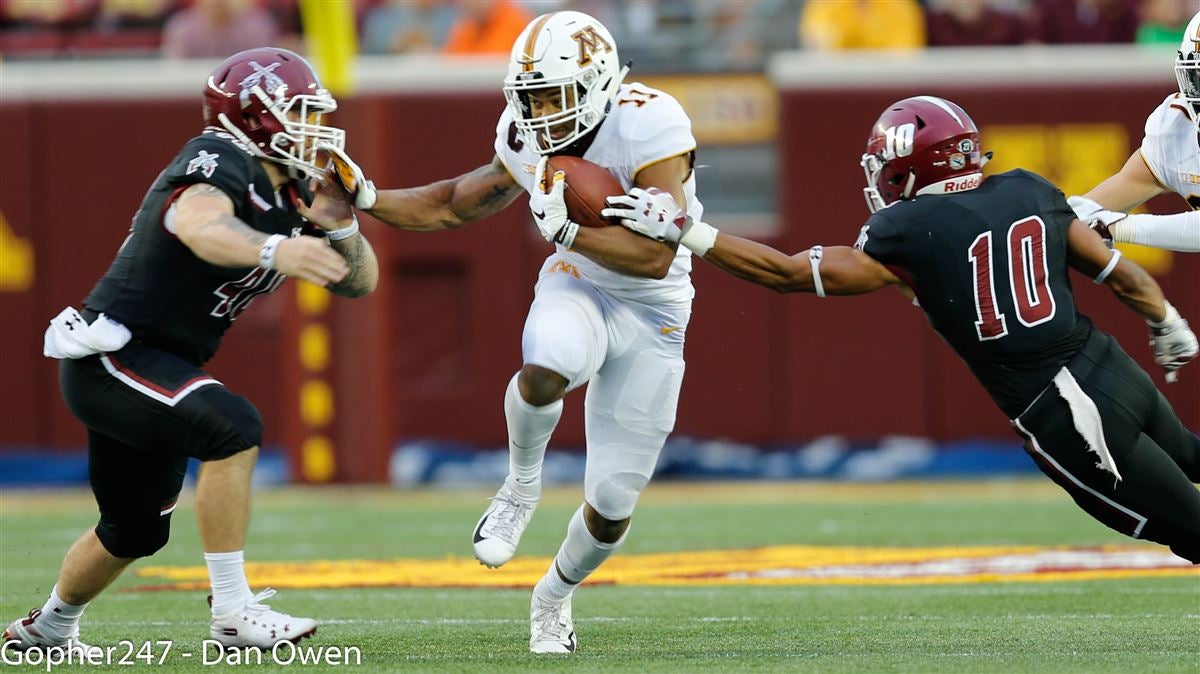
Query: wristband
<point x="266" y="254"/>
<point x="1112" y="264"/>
<point x="698" y="237"/>
<point x="566" y="235"/>
<point x="814" y="258"/>
<point x="343" y="233"/>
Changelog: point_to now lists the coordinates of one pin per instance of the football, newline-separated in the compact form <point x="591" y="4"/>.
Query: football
<point x="588" y="185"/>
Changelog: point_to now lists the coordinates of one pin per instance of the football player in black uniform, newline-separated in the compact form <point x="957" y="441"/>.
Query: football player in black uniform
<point x="226" y="221"/>
<point x="987" y="260"/>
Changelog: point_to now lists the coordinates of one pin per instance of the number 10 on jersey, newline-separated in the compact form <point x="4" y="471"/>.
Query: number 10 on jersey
<point x="1027" y="278"/>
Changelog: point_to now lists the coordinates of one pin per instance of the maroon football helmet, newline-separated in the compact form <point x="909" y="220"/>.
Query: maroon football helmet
<point x="921" y="145"/>
<point x="271" y="100"/>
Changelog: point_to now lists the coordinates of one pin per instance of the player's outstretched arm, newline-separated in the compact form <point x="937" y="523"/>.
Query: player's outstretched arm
<point x="1128" y="188"/>
<point x="838" y="270"/>
<point x="1087" y="254"/>
<point x="1173" y="341"/>
<point x="834" y="270"/>
<point x="203" y="219"/>
<point x="445" y="204"/>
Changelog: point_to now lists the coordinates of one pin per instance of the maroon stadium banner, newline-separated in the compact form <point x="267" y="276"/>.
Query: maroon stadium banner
<point x="428" y="355"/>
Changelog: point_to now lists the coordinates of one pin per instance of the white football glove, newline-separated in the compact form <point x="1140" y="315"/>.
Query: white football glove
<point x="1173" y="342"/>
<point x="656" y="214"/>
<point x="550" y="208"/>
<point x="652" y="213"/>
<point x="351" y="176"/>
<point x="1096" y="216"/>
<point x="1085" y="209"/>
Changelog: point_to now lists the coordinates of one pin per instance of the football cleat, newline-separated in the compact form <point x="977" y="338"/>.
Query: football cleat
<point x="256" y="625"/>
<point x="551" y="629"/>
<point x="499" y="530"/>
<point x="25" y="634"/>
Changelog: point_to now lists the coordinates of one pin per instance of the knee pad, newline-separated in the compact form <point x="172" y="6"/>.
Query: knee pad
<point x="130" y="537"/>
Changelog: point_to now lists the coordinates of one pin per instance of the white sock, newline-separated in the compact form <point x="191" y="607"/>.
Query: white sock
<point x="579" y="556"/>
<point x="59" y="618"/>
<point x="552" y="586"/>
<point x="227" y="573"/>
<point x="529" y="430"/>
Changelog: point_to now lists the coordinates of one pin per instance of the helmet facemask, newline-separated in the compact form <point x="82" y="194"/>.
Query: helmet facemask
<point x="579" y="111"/>
<point x="872" y="166"/>
<point x="1187" y="67"/>
<point x="301" y="119"/>
<point x="1187" y="74"/>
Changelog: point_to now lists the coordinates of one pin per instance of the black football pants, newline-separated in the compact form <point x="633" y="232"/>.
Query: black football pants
<point x="147" y="411"/>
<point x="1159" y="459"/>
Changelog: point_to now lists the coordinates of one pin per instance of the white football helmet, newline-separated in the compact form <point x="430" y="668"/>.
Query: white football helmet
<point x="571" y="51"/>
<point x="1187" y="63"/>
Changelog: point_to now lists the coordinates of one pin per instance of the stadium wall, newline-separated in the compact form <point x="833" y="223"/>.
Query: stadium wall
<point x="428" y="355"/>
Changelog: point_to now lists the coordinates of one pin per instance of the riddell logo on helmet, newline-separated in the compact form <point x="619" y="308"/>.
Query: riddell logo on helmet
<point x="960" y="184"/>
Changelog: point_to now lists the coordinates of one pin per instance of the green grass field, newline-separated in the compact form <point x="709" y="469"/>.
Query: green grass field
<point x="1132" y="625"/>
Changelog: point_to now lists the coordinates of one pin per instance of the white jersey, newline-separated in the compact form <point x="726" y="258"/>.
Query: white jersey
<point x="1170" y="148"/>
<point x="644" y="126"/>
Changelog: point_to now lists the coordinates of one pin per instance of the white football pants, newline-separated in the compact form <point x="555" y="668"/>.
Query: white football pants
<point x="631" y="356"/>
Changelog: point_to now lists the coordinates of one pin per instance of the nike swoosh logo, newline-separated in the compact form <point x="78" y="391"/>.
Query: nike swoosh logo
<point x="479" y="528"/>
<point x="539" y="215"/>
<point x="666" y="329"/>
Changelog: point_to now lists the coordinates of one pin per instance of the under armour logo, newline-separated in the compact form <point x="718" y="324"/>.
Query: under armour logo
<point x="261" y="74"/>
<point x="204" y="162"/>
<point x="70" y="323"/>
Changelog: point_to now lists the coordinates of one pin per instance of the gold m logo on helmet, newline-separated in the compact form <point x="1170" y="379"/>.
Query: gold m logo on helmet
<point x="590" y="42"/>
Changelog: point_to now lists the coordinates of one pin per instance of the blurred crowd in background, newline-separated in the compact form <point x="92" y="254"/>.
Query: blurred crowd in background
<point x="671" y="35"/>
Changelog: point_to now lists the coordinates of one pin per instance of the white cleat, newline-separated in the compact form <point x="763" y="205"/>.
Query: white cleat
<point x="25" y="634"/>
<point x="551" y="629"/>
<point x="499" y="530"/>
<point x="256" y="625"/>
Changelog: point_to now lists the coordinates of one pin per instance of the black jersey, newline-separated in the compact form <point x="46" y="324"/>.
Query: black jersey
<point x="165" y="294"/>
<point x="989" y="268"/>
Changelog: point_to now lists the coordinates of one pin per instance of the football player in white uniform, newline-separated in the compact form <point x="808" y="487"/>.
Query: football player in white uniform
<point x="611" y="306"/>
<point x="1167" y="161"/>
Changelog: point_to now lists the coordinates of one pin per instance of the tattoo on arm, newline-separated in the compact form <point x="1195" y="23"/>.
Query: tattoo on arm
<point x="233" y="223"/>
<point x="485" y="191"/>
<point x="364" y="270"/>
